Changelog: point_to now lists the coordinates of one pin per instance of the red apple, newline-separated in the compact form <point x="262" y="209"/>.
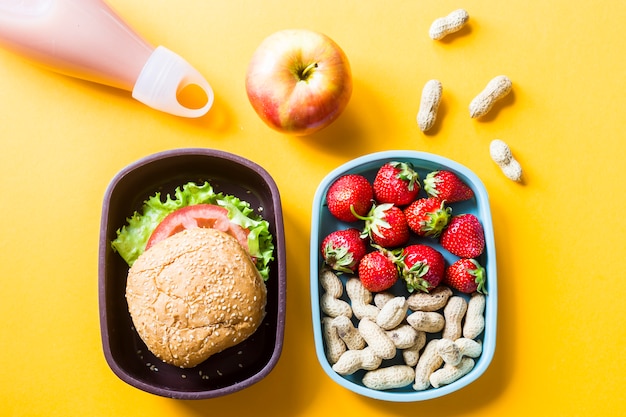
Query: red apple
<point x="299" y="81"/>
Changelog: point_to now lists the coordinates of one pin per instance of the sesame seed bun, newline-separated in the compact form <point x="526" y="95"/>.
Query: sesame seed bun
<point x="195" y="294"/>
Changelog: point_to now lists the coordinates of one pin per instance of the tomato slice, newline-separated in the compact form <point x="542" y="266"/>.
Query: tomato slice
<point x="199" y="215"/>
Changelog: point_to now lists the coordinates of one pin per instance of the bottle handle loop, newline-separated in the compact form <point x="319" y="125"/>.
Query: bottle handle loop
<point x="162" y="77"/>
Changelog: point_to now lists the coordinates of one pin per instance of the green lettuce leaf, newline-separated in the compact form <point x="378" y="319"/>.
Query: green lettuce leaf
<point x="132" y="238"/>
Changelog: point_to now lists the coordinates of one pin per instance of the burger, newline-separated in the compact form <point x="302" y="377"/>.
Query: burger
<point x="196" y="283"/>
<point x="195" y="294"/>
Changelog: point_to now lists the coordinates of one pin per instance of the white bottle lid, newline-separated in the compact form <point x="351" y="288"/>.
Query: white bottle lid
<point x="164" y="74"/>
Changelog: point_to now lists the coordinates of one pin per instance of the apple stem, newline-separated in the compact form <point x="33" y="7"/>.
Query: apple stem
<point x="307" y="71"/>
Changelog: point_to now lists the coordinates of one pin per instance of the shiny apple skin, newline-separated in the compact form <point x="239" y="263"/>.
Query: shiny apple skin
<point x="288" y="103"/>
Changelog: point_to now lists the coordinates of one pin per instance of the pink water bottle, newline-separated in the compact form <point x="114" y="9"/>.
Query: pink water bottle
<point x="86" y="39"/>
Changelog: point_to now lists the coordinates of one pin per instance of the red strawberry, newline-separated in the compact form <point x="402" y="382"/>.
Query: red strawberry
<point x="377" y="271"/>
<point x="467" y="276"/>
<point x="464" y="236"/>
<point x="427" y="216"/>
<point x="397" y="183"/>
<point x="447" y="186"/>
<point x="422" y="267"/>
<point x="386" y="226"/>
<point x="342" y="250"/>
<point x="349" y="191"/>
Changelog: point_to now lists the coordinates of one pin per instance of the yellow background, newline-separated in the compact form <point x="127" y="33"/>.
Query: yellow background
<point x="561" y="329"/>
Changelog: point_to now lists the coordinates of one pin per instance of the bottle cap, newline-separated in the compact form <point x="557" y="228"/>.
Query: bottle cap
<point x="162" y="77"/>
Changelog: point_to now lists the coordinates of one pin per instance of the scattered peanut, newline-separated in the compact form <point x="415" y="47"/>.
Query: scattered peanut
<point x="395" y="376"/>
<point x="392" y="313"/>
<point x="454" y="312"/>
<point x="361" y="298"/>
<point x="426" y="321"/>
<point x="353" y="360"/>
<point x="502" y="156"/>
<point x="469" y="347"/>
<point x="429" y="104"/>
<point x="412" y="354"/>
<point x="404" y="336"/>
<point x="451" y="23"/>
<point x="330" y="304"/>
<point x="449" y="373"/>
<point x="474" y="318"/>
<point x="429" y="301"/>
<point x="335" y="347"/>
<point x="331" y="283"/>
<point x="334" y="307"/>
<point x="377" y="338"/>
<point x="382" y="298"/>
<point x="496" y="89"/>
<point x="348" y="333"/>
<point x="449" y="351"/>
<point x="427" y="364"/>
